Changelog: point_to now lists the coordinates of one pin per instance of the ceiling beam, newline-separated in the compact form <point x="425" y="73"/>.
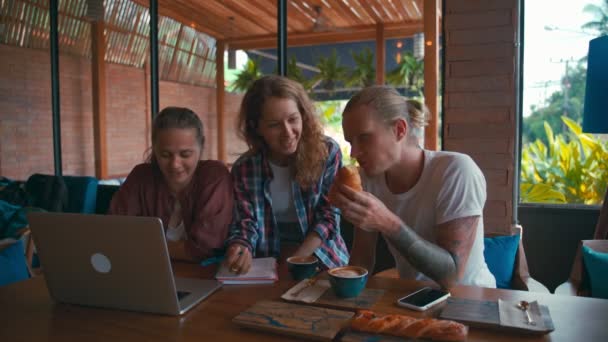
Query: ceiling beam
<point x="351" y="34"/>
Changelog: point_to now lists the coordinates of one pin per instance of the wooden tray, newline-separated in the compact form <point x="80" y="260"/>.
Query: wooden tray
<point x="365" y="300"/>
<point x="293" y="319"/>
<point x="485" y="314"/>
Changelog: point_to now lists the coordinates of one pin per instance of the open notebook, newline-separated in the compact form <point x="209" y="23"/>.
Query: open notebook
<point x="262" y="271"/>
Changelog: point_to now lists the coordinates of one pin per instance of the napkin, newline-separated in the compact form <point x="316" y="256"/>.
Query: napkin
<point x="512" y="316"/>
<point x="306" y="293"/>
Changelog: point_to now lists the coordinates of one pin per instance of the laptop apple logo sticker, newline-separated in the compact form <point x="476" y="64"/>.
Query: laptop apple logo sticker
<point x="101" y="263"/>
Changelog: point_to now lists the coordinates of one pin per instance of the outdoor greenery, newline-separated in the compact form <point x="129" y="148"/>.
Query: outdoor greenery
<point x="560" y="164"/>
<point x="409" y="73"/>
<point x="570" y="168"/>
<point x="600" y="22"/>
<point x="568" y="101"/>
<point x="246" y="77"/>
<point x="330" y="71"/>
<point x="364" y="72"/>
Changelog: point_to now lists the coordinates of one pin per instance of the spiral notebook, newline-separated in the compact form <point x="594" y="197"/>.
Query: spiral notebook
<point x="262" y="271"/>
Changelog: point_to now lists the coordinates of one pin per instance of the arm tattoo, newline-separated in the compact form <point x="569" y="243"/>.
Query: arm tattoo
<point x="430" y="259"/>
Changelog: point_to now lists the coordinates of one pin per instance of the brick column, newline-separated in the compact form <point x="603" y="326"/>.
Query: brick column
<point x="480" y="96"/>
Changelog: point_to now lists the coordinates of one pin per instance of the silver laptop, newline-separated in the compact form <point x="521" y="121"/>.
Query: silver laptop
<point x="119" y="262"/>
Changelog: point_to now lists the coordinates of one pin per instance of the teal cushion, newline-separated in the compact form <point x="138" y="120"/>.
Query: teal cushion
<point x="13" y="266"/>
<point x="499" y="253"/>
<point x="596" y="264"/>
<point x="82" y="194"/>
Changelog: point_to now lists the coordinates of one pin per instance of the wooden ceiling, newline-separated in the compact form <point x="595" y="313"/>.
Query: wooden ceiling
<point x="249" y="24"/>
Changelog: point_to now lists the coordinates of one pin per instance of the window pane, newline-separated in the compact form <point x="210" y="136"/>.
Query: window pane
<point x="559" y="163"/>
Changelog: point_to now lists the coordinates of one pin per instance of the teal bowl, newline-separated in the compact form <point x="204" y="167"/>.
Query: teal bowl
<point x="302" y="267"/>
<point x="348" y="281"/>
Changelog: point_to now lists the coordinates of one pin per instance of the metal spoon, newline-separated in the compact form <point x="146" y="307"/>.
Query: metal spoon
<point x="524" y="306"/>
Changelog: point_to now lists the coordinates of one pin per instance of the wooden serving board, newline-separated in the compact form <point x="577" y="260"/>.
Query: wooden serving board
<point x="485" y="314"/>
<point x="294" y="319"/>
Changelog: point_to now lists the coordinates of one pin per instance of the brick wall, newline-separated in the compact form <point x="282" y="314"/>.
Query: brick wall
<point x="480" y="102"/>
<point x="26" y="144"/>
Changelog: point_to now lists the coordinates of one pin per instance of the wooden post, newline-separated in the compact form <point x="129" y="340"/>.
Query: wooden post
<point x="380" y="54"/>
<point x="219" y="99"/>
<point x="98" y="73"/>
<point x="431" y="71"/>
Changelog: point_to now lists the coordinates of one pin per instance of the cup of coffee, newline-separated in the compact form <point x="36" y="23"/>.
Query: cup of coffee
<point x="302" y="267"/>
<point x="347" y="281"/>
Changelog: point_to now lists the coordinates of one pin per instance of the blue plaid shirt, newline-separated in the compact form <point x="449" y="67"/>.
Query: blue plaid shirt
<point x="254" y="224"/>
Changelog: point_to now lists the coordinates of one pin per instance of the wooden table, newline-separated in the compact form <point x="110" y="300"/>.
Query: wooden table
<point x="27" y="313"/>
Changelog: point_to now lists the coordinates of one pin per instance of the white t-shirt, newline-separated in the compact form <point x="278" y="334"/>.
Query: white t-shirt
<point x="281" y="194"/>
<point x="451" y="186"/>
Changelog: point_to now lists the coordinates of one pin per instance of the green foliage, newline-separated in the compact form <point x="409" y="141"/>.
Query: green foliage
<point x="295" y="73"/>
<point x="364" y="73"/>
<point x="409" y="73"/>
<point x="569" y="168"/>
<point x="246" y="77"/>
<point x="568" y="101"/>
<point x="600" y="22"/>
<point x="331" y="118"/>
<point x="331" y="72"/>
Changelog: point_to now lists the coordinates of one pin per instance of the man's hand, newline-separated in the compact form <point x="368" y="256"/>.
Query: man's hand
<point x="238" y="258"/>
<point x="365" y="211"/>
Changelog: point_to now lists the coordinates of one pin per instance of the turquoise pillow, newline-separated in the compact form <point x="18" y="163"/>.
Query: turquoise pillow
<point x="596" y="264"/>
<point x="499" y="253"/>
<point x="13" y="265"/>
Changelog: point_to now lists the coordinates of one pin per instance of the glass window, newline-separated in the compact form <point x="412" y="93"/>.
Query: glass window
<point x="559" y="163"/>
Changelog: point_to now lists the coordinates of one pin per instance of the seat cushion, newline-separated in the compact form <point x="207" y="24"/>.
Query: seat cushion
<point x="82" y="194"/>
<point x="596" y="264"/>
<point x="13" y="265"/>
<point x="499" y="253"/>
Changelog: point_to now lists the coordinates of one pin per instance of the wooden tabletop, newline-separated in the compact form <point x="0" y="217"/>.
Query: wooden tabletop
<point x="27" y="313"/>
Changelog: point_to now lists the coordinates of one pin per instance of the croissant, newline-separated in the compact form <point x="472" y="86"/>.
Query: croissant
<point x="409" y="327"/>
<point x="347" y="175"/>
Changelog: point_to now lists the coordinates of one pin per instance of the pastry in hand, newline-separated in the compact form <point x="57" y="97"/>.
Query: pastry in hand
<point x="347" y="175"/>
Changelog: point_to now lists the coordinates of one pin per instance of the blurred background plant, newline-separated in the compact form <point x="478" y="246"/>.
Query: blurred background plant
<point x="570" y="168"/>
<point x="245" y="78"/>
<point x="364" y="72"/>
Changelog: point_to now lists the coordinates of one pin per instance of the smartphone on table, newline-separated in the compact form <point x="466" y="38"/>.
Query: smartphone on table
<point x="423" y="299"/>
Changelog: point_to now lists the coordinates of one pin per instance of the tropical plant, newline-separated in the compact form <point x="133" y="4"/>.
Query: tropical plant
<point x="331" y="118"/>
<point x="571" y="168"/>
<point x="567" y="101"/>
<point x="330" y="71"/>
<point x="409" y="73"/>
<point x="245" y="78"/>
<point x="364" y="72"/>
<point x="600" y="12"/>
<point x="295" y="73"/>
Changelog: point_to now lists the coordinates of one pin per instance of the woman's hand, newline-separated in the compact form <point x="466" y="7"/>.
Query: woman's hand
<point x="367" y="212"/>
<point x="238" y="258"/>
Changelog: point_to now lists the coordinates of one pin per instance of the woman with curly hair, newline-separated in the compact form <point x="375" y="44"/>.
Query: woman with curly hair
<point x="281" y="182"/>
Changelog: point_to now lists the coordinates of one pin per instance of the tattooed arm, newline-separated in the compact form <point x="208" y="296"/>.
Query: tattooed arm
<point x="445" y="261"/>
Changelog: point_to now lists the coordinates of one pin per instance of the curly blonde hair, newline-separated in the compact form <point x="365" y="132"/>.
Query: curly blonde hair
<point x="311" y="154"/>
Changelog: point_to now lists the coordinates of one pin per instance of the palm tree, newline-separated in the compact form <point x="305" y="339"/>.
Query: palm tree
<point x="295" y="73"/>
<point x="409" y="73"/>
<point x="246" y="77"/>
<point x="330" y="71"/>
<point x="364" y="73"/>
<point x="600" y="24"/>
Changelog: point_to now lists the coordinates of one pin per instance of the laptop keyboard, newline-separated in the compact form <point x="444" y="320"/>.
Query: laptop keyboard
<point x="182" y="294"/>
